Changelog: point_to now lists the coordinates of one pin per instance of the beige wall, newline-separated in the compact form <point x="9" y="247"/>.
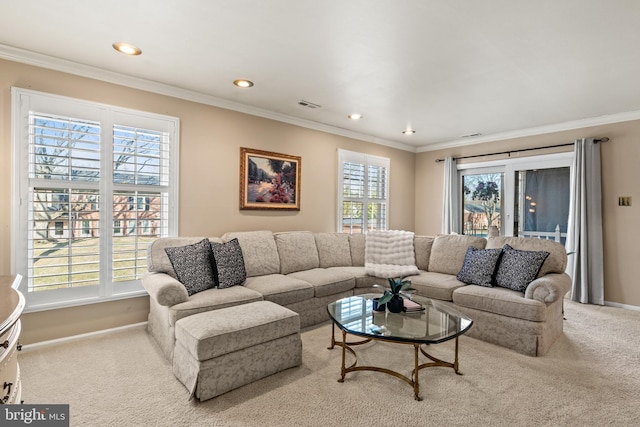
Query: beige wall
<point x="620" y="158"/>
<point x="209" y="190"/>
<point x="51" y="324"/>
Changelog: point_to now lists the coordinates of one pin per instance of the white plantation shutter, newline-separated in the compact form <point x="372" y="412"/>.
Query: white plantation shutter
<point x="377" y="187"/>
<point x="96" y="184"/>
<point x="140" y="156"/>
<point x="63" y="148"/>
<point x="64" y="175"/>
<point x="140" y="197"/>
<point x="363" y="186"/>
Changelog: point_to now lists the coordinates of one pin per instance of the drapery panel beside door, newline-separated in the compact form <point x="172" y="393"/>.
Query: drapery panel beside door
<point x="451" y="202"/>
<point x="584" y="234"/>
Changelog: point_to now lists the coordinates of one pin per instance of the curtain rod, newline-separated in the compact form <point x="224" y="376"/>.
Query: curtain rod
<point x="605" y="139"/>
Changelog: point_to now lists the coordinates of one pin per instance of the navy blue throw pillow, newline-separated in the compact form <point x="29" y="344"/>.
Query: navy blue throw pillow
<point x="519" y="268"/>
<point x="479" y="266"/>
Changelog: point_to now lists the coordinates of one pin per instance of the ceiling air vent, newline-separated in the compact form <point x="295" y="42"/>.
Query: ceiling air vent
<point x="309" y="104"/>
<point x="471" y="135"/>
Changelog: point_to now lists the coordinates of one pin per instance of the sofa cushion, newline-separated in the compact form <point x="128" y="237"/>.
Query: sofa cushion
<point x="333" y="249"/>
<point x="297" y="251"/>
<point x="479" y="266"/>
<point x="356" y="247"/>
<point x="280" y="289"/>
<point x="448" y="252"/>
<point x="157" y="259"/>
<point x="326" y="281"/>
<point x="362" y="279"/>
<point x="423" y="245"/>
<point x="212" y="299"/>
<point x="193" y="265"/>
<point x="517" y="268"/>
<point x="228" y="264"/>
<point x="502" y="301"/>
<point x="436" y="285"/>
<point x="556" y="262"/>
<point x="259" y="250"/>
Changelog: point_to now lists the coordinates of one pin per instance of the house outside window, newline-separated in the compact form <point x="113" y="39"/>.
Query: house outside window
<point x="80" y="167"/>
<point x="526" y="197"/>
<point x="363" y="192"/>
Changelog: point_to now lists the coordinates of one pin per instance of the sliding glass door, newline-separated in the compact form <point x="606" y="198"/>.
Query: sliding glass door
<point x="520" y="197"/>
<point x="542" y="203"/>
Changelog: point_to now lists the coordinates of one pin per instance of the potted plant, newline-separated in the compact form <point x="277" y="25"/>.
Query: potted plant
<point x="392" y="297"/>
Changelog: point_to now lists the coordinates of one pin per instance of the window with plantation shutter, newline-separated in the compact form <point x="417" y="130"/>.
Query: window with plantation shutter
<point x="95" y="185"/>
<point x="363" y="183"/>
<point x="140" y="198"/>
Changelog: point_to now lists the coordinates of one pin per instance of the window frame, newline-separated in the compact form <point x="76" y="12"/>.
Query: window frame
<point x="508" y="167"/>
<point x="366" y="160"/>
<point x="23" y="103"/>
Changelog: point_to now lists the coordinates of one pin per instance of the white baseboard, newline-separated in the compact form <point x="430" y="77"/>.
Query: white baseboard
<point x="42" y="344"/>
<point x="625" y="306"/>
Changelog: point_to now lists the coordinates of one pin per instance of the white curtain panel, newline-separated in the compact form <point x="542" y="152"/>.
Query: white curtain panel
<point x="584" y="234"/>
<point x="451" y="214"/>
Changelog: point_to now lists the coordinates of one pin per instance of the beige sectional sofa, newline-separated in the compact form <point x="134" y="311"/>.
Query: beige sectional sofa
<point x="305" y="271"/>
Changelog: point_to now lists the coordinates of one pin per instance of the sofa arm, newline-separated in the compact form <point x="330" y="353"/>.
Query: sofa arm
<point x="549" y="288"/>
<point x="164" y="289"/>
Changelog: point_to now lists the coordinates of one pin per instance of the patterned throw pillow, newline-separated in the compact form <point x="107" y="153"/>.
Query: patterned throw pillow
<point x="193" y="265"/>
<point x="479" y="266"/>
<point x="519" y="268"/>
<point x="229" y="264"/>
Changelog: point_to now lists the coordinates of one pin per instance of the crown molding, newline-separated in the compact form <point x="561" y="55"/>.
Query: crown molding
<point x="540" y="130"/>
<point x="57" y="64"/>
<point x="44" y="61"/>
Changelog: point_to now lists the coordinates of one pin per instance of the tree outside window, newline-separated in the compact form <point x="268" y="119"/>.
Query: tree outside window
<point x="482" y="201"/>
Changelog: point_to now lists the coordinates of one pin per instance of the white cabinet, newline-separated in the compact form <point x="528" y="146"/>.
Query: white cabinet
<point x="11" y="307"/>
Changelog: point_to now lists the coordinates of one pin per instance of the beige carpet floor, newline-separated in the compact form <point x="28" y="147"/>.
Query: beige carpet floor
<point x="591" y="376"/>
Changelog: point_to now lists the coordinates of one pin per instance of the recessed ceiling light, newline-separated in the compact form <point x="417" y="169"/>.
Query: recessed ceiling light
<point x="408" y="131"/>
<point x="127" y="49"/>
<point x="243" y="83"/>
<point x="355" y="116"/>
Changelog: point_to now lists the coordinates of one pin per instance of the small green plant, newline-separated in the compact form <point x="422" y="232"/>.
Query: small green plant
<point x="397" y="285"/>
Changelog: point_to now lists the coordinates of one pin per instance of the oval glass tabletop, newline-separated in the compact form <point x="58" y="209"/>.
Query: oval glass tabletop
<point x="435" y="323"/>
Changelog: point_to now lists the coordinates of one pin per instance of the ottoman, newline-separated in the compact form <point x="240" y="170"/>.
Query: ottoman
<point x="220" y="350"/>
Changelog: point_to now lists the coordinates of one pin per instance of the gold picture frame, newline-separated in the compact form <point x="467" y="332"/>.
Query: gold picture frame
<point x="269" y="181"/>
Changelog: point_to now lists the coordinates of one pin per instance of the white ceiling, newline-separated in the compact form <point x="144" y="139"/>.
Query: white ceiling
<point x="446" y="68"/>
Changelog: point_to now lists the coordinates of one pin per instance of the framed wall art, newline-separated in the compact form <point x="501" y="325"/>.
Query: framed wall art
<point x="269" y="180"/>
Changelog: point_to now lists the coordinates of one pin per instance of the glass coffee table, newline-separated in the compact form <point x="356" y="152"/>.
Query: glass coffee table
<point x="436" y="323"/>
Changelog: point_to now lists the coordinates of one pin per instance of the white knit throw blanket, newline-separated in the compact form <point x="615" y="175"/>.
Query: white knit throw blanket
<point x="390" y="254"/>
